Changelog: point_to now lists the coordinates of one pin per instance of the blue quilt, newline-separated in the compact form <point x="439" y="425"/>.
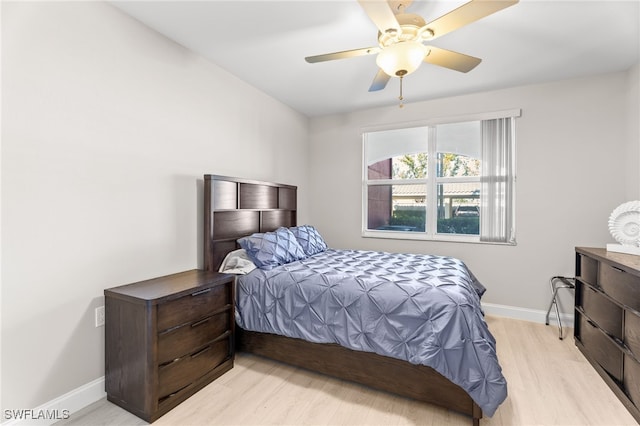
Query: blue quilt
<point x="419" y="308"/>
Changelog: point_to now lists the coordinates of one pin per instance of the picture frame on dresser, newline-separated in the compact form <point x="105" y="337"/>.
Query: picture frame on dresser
<point x="607" y="319"/>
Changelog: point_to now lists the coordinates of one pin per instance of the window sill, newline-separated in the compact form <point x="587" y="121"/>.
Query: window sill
<point x="422" y="236"/>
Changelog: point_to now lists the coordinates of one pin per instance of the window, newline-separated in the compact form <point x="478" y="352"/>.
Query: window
<point x="451" y="180"/>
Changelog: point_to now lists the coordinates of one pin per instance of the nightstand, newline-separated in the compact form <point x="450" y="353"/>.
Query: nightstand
<point x="166" y="338"/>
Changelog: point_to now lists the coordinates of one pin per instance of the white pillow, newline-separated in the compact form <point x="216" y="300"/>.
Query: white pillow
<point x="237" y="262"/>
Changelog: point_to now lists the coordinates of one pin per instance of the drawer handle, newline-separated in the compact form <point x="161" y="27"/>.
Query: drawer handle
<point x="616" y="269"/>
<point x="202" y="321"/>
<point x="168" y="363"/>
<point x="591" y="323"/>
<point x="198" y="293"/>
<point x="200" y="352"/>
<point x="171" y="395"/>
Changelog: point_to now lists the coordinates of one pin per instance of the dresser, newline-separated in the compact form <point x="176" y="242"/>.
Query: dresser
<point x="166" y="338"/>
<point x="607" y="319"/>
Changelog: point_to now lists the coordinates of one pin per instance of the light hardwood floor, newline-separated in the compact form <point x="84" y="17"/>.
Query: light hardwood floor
<point x="549" y="381"/>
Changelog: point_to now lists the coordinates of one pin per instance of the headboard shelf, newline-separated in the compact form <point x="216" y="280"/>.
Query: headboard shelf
<point x="253" y="210"/>
<point x="250" y="181"/>
<point x="234" y="208"/>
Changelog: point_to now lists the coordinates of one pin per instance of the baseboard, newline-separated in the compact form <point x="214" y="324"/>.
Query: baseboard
<point x="525" y="314"/>
<point x="57" y="409"/>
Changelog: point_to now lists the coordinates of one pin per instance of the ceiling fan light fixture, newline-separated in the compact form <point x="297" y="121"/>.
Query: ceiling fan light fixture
<point x="401" y="58"/>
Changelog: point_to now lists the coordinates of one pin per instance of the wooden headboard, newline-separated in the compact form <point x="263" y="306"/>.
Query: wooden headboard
<point x="235" y="208"/>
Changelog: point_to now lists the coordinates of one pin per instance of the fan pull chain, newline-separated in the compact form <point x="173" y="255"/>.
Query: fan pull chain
<point x="400" y="97"/>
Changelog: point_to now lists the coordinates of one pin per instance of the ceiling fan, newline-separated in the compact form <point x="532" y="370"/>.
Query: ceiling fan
<point x="401" y="38"/>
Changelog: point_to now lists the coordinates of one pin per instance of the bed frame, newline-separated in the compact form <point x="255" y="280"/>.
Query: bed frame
<point x="234" y="208"/>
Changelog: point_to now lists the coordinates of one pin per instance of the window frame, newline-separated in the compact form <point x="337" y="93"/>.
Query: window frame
<point x="431" y="181"/>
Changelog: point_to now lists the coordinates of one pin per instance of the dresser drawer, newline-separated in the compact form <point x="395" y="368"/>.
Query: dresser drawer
<point x="589" y="270"/>
<point x="182" y="372"/>
<point x="193" y="307"/>
<point x="620" y="285"/>
<point x="605" y="313"/>
<point x="632" y="332"/>
<point x="631" y="380"/>
<point x="179" y="341"/>
<point x="600" y="347"/>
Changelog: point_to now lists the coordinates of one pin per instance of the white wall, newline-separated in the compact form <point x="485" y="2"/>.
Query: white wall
<point x="107" y="129"/>
<point x="633" y="139"/>
<point x="572" y="171"/>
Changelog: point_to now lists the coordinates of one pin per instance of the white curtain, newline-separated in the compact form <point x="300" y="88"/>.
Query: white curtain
<point x="497" y="216"/>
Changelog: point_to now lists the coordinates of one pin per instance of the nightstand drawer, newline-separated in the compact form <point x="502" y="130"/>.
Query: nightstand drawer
<point x="182" y="372"/>
<point x="193" y="307"/>
<point x="606" y="314"/>
<point x="177" y="342"/>
<point x="620" y="285"/>
<point x="600" y="347"/>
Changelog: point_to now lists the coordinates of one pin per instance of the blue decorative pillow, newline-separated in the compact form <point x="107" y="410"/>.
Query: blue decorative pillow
<point x="271" y="249"/>
<point x="309" y="239"/>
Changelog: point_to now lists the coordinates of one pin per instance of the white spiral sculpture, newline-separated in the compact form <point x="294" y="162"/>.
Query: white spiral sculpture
<point x="624" y="224"/>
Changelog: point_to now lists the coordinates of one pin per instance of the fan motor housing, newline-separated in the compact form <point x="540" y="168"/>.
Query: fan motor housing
<point x="410" y="25"/>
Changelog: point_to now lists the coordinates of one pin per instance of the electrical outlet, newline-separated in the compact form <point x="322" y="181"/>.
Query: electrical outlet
<point x="99" y="316"/>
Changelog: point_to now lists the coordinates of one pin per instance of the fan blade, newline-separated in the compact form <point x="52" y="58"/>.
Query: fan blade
<point x="465" y="14"/>
<point x="379" y="81"/>
<point x="381" y="15"/>
<point x="342" y="55"/>
<point x="452" y="60"/>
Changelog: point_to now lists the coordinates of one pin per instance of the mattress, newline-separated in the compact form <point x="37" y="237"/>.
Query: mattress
<point x="423" y="309"/>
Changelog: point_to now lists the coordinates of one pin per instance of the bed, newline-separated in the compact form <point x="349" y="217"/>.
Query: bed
<point x="236" y="209"/>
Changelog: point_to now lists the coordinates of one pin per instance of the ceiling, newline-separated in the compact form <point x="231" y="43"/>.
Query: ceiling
<point x="265" y="42"/>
